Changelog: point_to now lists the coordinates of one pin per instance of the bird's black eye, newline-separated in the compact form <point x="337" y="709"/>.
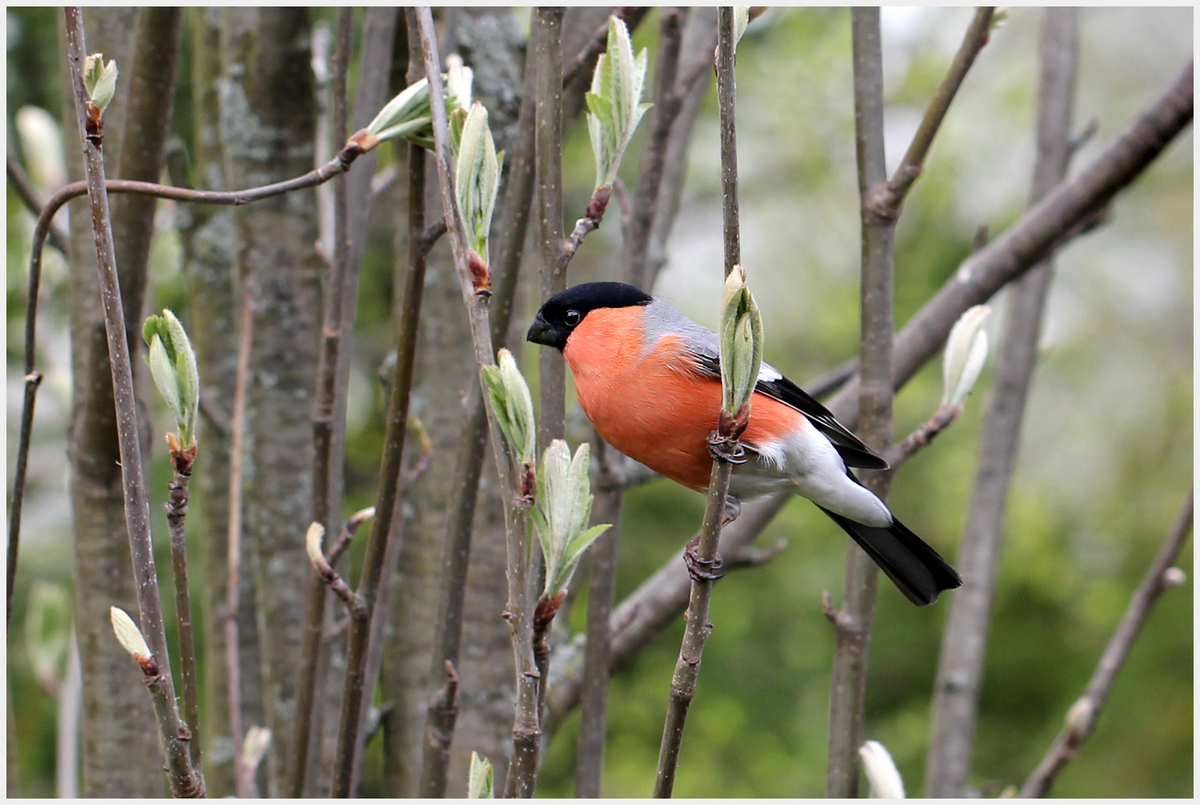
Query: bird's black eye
<point x="572" y="317"/>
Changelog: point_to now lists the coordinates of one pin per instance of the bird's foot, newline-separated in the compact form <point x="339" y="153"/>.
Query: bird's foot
<point x="725" y="449"/>
<point x="699" y="568"/>
<point x="731" y="510"/>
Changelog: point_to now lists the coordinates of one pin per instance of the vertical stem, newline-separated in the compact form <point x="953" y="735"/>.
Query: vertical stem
<point x="547" y="59"/>
<point x="964" y="641"/>
<point x="726" y="97"/>
<point x="522" y="775"/>
<point x="442" y="714"/>
<point x="183" y="777"/>
<point x="323" y="421"/>
<point x="697" y="625"/>
<point x="242" y="777"/>
<point x="853" y="623"/>
<point x="177" y="504"/>
<point x="602" y="582"/>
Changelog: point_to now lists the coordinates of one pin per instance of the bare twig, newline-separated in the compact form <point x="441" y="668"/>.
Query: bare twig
<point x="29" y="195"/>
<point x="668" y="101"/>
<point x="1083" y="715"/>
<point x="697" y="625"/>
<point x="184" y="778"/>
<point x="176" y="506"/>
<point x="323" y="421"/>
<point x="546" y="54"/>
<point x="389" y="482"/>
<point x="964" y="641"/>
<point x="355" y="605"/>
<point x="608" y="483"/>
<point x="243" y="777"/>
<point x="852" y="623"/>
<point x="888" y="198"/>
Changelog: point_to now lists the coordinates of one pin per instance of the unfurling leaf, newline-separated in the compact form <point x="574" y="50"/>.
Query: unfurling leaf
<point x="100" y="79"/>
<point x="509" y="396"/>
<point x="564" y="506"/>
<point x="614" y="102"/>
<point x="480" y="776"/>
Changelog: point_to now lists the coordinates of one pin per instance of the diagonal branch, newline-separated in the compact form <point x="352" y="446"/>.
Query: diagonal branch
<point x="1083" y="715"/>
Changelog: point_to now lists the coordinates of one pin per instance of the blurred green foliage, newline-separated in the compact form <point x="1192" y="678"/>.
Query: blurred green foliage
<point x="1106" y="453"/>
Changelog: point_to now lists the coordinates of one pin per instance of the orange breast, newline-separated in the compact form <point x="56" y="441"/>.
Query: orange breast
<point x="655" y="409"/>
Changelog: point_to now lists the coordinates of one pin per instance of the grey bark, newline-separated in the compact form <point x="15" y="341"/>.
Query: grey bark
<point x="270" y="122"/>
<point x="120" y="754"/>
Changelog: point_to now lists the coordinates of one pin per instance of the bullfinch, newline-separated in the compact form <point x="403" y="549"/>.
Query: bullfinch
<point x="649" y="380"/>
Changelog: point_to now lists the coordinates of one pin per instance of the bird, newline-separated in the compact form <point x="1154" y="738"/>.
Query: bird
<point x="648" y="378"/>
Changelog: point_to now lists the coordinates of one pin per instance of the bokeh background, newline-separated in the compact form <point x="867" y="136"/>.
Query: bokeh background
<point x="1105" y="461"/>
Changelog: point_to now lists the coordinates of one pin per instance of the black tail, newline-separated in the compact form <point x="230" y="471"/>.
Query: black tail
<point x="914" y="567"/>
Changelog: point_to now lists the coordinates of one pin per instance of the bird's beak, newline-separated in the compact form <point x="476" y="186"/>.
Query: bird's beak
<point x="540" y="332"/>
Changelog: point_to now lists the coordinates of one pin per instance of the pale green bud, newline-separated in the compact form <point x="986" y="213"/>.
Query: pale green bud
<point x="255" y="745"/>
<point x="510" y="399"/>
<point x="741" y="18"/>
<point x="741" y="342"/>
<point x="881" y="771"/>
<point x="477" y="179"/>
<point x="100" y="79"/>
<point x="614" y="103"/>
<point x="173" y="367"/>
<point x="966" y="353"/>
<point x="564" y="505"/>
<point x="128" y="634"/>
<point x="479" y="780"/>
<point x="312" y="544"/>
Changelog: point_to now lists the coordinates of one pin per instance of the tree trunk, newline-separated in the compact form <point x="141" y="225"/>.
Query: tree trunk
<point x="270" y="125"/>
<point x="207" y="238"/>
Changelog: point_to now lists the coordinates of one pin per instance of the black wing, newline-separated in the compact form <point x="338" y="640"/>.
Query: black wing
<point x="775" y="385"/>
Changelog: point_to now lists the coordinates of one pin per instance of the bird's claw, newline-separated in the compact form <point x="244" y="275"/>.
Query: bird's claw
<point x="729" y="451"/>
<point x="699" y="568"/>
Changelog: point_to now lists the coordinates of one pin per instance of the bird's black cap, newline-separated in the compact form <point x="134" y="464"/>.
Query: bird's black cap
<point x="563" y="311"/>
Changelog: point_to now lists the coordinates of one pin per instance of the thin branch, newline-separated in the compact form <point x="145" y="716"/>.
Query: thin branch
<point x="608" y="483"/>
<point x="338" y="165"/>
<point x="1083" y="715"/>
<point x="888" y="198"/>
<point x="382" y="533"/>
<point x="964" y="640"/>
<point x="323" y="420"/>
<point x="442" y="713"/>
<point x="33" y="202"/>
<point x="853" y="621"/>
<point x="1044" y="227"/>
<point x="176" y="506"/>
<point x="243" y="777"/>
<point x="704" y="554"/>
<point x="356" y="605"/>
<point x="527" y="733"/>
<point x="668" y="102"/>
<point x="184" y="779"/>
<point x="546" y="54"/>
